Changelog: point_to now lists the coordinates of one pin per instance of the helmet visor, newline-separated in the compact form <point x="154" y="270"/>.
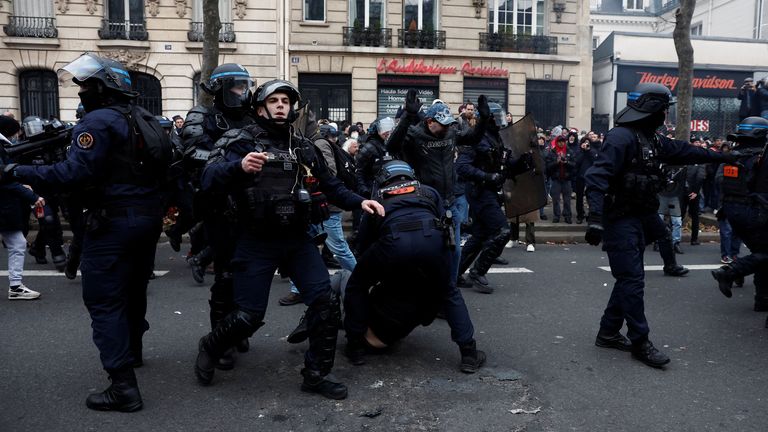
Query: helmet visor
<point x="33" y="126"/>
<point x="236" y="91"/>
<point x="81" y="69"/>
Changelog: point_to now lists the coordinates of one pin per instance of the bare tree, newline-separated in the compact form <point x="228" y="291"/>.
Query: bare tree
<point x="211" y="28"/>
<point x="684" y="48"/>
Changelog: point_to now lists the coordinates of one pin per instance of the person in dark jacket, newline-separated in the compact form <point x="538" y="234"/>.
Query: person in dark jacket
<point x="589" y="147"/>
<point x="15" y="200"/>
<point x="371" y="155"/>
<point x="762" y="97"/>
<point x="561" y="166"/>
<point x="689" y="202"/>
<point x="749" y="105"/>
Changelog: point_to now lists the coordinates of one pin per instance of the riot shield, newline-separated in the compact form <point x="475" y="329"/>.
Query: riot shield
<point x="527" y="191"/>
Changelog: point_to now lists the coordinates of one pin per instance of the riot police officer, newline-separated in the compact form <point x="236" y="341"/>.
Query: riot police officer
<point x="621" y="188"/>
<point x="485" y="167"/>
<point x="124" y="220"/>
<point x="371" y="155"/>
<point x="745" y="205"/>
<point x="230" y="87"/>
<point x="403" y="258"/>
<point x="279" y="183"/>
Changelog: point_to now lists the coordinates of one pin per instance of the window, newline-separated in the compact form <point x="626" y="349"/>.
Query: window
<point x="314" y="10"/>
<point x="150" y="92"/>
<point x="367" y="13"/>
<point x="516" y="16"/>
<point x="696" y="29"/>
<point x="329" y="95"/>
<point x="227" y="32"/>
<point x="39" y="94"/>
<point x="636" y="5"/>
<point x="124" y="20"/>
<point x="595" y="42"/>
<point x="32" y="18"/>
<point x="225" y="11"/>
<point x="420" y="15"/>
<point x="33" y="8"/>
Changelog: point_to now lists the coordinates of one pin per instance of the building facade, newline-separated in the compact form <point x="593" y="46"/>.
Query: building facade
<point x="353" y="59"/>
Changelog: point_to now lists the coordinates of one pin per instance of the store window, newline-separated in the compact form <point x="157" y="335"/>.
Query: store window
<point x="547" y="101"/>
<point x="329" y="95"/>
<point x="516" y="16"/>
<point x="150" y="92"/>
<point x="496" y="90"/>
<point x="420" y="15"/>
<point x="633" y="5"/>
<point x="367" y="13"/>
<point x="314" y="10"/>
<point x="392" y="90"/>
<point x="39" y="94"/>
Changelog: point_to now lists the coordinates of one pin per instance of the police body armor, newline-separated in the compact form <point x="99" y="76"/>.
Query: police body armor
<point x="202" y="128"/>
<point x="410" y="194"/>
<point x="740" y="180"/>
<point x="636" y="191"/>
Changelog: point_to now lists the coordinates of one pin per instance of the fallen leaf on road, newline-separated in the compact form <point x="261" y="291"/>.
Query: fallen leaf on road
<point x="525" y="411"/>
<point x="177" y="312"/>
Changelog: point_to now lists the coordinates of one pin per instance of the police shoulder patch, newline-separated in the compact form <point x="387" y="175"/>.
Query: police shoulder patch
<point x="85" y="141"/>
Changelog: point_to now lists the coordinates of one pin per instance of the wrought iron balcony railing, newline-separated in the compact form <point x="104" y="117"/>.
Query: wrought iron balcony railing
<point x="35" y="27"/>
<point x="518" y="43"/>
<point x="123" y="30"/>
<point x="367" y="36"/>
<point x="427" y="39"/>
<point x="226" y="34"/>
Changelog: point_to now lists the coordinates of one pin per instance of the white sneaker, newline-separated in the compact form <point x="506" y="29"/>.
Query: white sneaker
<point x="512" y="243"/>
<point x="531" y="248"/>
<point x="22" y="293"/>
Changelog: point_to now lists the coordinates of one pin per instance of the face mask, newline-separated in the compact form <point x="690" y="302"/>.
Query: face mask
<point x="90" y="100"/>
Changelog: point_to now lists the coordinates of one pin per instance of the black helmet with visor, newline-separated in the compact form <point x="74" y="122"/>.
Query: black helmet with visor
<point x="230" y="85"/>
<point x="110" y="73"/>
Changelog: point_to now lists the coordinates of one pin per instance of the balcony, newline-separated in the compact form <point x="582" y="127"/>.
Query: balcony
<point x="33" y="27"/>
<point x="123" y="30"/>
<point x="508" y="42"/>
<point x="367" y="36"/>
<point x="426" y="39"/>
<point x="226" y="34"/>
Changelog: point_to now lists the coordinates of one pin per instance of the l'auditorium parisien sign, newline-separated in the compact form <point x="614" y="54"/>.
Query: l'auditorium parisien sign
<point x="415" y="67"/>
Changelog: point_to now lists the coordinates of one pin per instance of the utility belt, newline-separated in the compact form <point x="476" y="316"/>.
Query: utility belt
<point x="299" y="209"/>
<point x="444" y="225"/>
<point x="96" y="220"/>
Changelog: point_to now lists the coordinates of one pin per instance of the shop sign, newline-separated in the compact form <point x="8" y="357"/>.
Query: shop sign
<point x="420" y="68"/>
<point x="699" y="125"/>
<point x="713" y="83"/>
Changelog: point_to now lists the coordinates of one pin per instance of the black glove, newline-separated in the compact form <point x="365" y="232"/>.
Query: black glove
<point x="594" y="233"/>
<point x="482" y="107"/>
<point x="494" y="179"/>
<point x="412" y="103"/>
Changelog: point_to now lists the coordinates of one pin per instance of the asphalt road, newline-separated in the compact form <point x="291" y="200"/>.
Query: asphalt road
<point x="543" y="372"/>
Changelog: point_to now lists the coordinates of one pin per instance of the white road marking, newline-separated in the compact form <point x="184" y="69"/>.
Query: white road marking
<point x="498" y="270"/>
<point x="49" y="273"/>
<point x="688" y="266"/>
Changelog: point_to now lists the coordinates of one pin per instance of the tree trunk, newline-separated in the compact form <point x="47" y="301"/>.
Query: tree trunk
<point x="211" y="28"/>
<point x="684" y="48"/>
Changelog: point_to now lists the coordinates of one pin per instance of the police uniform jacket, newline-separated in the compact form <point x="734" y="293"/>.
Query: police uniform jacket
<point x="369" y="161"/>
<point x="621" y="151"/>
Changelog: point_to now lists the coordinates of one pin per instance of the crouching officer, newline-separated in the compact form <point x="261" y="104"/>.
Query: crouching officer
<point x="622" y="187"/>
<point x="745" y="205"/>
<point x="404" y="259"/>
<point x="485" y="167"/>
<point x="124" y="219"/>
<point x="279" y="183"/>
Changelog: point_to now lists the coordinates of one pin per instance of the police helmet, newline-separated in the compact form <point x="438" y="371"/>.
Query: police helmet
<point x="110" y="73"/>
<point x="392" y="171"/>
<point x="32" y="126"/>
<point x="499" y="114"/>
<point x="230" y="85"/>
<point x="441" y="114"/>
<point x="647" y="99"/>
<point x="750" y="129"/>
<point x="165" y="122"/>
<point x="277" y="86"/>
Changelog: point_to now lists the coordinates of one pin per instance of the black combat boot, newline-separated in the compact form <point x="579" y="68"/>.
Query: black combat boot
<point x="725" y="277"/>
<point x="667" y="252"/>
<point x="316" y="382"/>
<point x="472" y="359"/>
<point x="122" y="395"/>
<point x="480" y="282"/>
<point x="73" y="263"/>
<point x="616" y="341"/>
<point x="38" y="253"/>
<point x="237" y="326"/>
<point x="648" y="354"/>
<point x="462" y="282"/>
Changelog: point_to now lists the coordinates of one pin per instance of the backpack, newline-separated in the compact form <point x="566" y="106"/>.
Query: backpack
<point x="152" y="144"/>
<point x="345" y="167"/>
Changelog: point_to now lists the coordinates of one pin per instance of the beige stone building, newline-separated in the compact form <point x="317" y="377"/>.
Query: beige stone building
<point x="353" y="59"/>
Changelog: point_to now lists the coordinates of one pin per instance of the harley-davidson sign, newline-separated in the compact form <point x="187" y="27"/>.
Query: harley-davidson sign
<point x="715" y="83"/>
<point x="419" y="67"/>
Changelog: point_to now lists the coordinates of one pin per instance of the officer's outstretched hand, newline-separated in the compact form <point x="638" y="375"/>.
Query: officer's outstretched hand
<point x="412" y="102"/>
<point x="482" y="107"/>
<point x="594" y="233"/>
<point x="253" y="162"/>
<point x="373" y="207"/>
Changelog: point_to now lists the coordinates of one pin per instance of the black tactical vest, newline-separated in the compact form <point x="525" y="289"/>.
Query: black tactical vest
<point x="636" y="192"/>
